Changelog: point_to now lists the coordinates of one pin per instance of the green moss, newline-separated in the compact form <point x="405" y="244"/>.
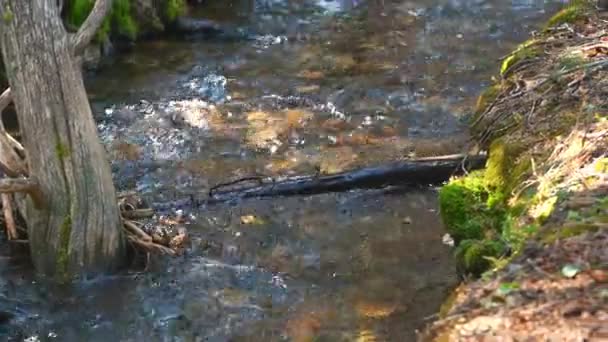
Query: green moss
<point x="486" y="98"/>
<point x="123" y="19"/>
<point x="568" y="231"/>
<point x="77" y="11"/>
<point x="524" y="51"/>
<point x="63" y="256"/>
<point x="448" y="304"/>
<point x="174" y="8"/>
<point x="569" y="62"/>
<point x="474" y="256"/>
<point x="545" y="208"/>
<point x="8" y="15"/>
<point x="62" y="150"/>
<point x="575" y="11"/>
<point x="516" y="235"/>
<point x="476" y="214"/>
<point x="601" y="165"/>
<point x="119" y="20"/>
<point x="503" y="170"/>
<point x="497" y="166"/>
<point x="460" y="202"/>
<point x="601" y="218"/>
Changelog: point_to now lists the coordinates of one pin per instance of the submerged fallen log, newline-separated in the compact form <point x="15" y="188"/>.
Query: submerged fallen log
<point x="424" y="171"/>
<point x="208" y="29"/>
<point x="197" y="25"/>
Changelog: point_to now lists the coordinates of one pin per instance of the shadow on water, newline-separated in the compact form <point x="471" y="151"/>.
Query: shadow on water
<point x="323" y="86"/>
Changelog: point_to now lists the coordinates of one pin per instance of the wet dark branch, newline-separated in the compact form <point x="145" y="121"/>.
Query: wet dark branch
<point x="411" y="172"/>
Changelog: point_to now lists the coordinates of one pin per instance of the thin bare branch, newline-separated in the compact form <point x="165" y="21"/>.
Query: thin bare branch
<point x="26" y="185"/>
<point x="9" y="219"/>
<point x="87" y="30"/>
<point x="5" y="100"/>
<point x="10" y="185"/>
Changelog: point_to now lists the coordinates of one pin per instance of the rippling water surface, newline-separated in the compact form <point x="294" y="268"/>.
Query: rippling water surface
<point x="291" y="87"/>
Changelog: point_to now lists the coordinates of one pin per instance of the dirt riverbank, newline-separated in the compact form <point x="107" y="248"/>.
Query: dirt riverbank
<point x="531" y="230"/>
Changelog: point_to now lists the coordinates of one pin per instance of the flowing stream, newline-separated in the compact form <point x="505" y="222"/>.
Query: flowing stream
<point x="313" y="86"/>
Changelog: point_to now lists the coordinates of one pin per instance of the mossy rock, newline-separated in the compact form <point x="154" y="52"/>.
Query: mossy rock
<point x="461" y="201"/>
<point x="524" y="51"/>
<point x="575" y="11"/>
<point x="486" y="98"/>
<point x="473" y="256"/>
<point x="544" y="208"/>
<point x="504" y="169"/>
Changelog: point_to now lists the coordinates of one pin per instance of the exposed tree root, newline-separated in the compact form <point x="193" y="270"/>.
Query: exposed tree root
<point x="151" y="238"/>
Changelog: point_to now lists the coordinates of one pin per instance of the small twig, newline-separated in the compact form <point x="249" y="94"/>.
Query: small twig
<point x="530" y="115"/>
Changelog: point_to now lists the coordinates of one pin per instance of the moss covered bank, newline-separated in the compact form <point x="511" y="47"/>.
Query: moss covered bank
<point x="531" y="230"/>
<point x="128" y="21"/>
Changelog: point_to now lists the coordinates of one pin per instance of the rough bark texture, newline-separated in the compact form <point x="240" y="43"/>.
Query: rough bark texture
<point x="79" y="231"/>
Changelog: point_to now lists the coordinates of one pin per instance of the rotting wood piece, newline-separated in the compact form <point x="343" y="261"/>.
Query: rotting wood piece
<point x="410" y="172"/>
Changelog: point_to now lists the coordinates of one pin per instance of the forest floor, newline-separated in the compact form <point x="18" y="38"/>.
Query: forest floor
<point x="548" y="112"/>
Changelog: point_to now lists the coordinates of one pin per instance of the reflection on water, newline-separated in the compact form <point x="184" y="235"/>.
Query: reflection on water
<point x="325" y="85"/>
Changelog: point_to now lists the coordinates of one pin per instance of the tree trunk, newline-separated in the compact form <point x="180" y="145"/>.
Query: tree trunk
<point x="79" y="231"/>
